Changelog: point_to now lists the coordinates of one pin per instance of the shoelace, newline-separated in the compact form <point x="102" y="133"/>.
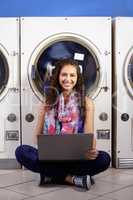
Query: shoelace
<point x="79" y="181"/>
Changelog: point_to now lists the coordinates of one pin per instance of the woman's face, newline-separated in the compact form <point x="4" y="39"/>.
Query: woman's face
<point x="68" y="77"/>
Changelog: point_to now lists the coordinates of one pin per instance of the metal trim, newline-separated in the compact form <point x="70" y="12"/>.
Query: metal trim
<point x="125" y="163"/>
<point x="65" y="36"/>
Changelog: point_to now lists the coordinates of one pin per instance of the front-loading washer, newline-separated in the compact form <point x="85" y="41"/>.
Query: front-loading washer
<point x="9" y="92"/>
<point x="123" y="93"/>
<point x="44" y="40"/>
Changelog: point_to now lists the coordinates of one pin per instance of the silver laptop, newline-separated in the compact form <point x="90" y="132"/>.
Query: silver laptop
<point x="64" y="147"/>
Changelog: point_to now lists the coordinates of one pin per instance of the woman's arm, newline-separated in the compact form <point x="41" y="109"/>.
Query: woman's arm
<point x="40" y="122"/>
<point x="89" y="126"/>
<point x="89" y="115"/>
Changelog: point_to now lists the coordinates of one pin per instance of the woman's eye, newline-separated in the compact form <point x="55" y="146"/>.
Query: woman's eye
<point x="73" y="75"/>
<point x="68" y="75"/>
<point x="64" y="74"/>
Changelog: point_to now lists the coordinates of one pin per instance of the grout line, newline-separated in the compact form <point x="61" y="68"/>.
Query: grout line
<point x="42" y="193"/>
<point x="99" y="196"/>
<point x="29" y="196"/>
<point x="116" y="190"/>
<point x="15" y="192"/>
<point x="3" y="187"/>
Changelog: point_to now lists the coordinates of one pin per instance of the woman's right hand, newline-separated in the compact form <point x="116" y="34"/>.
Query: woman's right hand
<point x="91" y="154"/>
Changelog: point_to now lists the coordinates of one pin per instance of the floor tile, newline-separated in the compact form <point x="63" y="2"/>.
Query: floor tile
<point x="32" y="188"/>
<point x="119" y="178"/>
<point x="103" y="198"/>
<point x="64" y="194"/>
<point x="127" y="171"/>
<point x="101" y="187"/>
<point x="113" y="184"/>
<point x="110" y="171"/>
<point x="10" y="195"/>
<point x="6" y="171"/>
<point x="123" y="194"/>
<point x="29" y="174"/>
<point x="14" y="178"/>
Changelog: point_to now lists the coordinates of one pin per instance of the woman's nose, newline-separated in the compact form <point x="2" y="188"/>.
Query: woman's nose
<point x="68" y="78"/>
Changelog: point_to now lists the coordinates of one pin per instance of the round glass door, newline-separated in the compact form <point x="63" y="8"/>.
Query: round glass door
<point x="130" y="72"/>
<point x="4" y="73"/>
<point x="44" y="64"/>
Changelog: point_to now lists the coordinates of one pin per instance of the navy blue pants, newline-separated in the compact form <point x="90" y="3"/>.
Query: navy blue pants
<point x="28" y="157"/>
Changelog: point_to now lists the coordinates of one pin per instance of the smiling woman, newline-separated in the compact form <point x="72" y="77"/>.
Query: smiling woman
<point x="66" y="110"/>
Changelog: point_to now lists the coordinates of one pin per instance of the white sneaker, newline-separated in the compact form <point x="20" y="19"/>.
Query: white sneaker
<point x="82" y="181"/>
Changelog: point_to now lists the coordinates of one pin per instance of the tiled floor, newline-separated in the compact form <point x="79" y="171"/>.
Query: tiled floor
<point x="113" y="184"/>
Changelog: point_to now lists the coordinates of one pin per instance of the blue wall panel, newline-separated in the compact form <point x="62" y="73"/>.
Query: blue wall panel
<point x="13" y="8"/>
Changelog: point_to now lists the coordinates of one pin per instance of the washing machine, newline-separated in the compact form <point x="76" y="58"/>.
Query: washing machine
<point x="9" y="92"/>
<point x="123" y="93"/>
<point x="44" y="40"/>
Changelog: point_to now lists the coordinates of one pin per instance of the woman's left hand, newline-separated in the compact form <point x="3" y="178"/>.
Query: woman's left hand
<point x="91" y="154"/>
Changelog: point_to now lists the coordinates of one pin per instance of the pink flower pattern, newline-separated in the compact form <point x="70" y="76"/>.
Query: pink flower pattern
<point x="64" y="118"/>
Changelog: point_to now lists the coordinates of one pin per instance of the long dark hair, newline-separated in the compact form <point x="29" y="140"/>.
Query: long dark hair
<point x="55" y="88"/>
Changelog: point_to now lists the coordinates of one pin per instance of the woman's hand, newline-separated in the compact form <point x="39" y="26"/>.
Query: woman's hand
<point x="91" y="154"/>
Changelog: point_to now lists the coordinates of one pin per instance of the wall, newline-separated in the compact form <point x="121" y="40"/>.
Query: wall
<point x="14" y="8"/>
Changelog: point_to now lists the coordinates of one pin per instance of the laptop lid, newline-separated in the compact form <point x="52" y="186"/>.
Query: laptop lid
<point x="64" y="147"/>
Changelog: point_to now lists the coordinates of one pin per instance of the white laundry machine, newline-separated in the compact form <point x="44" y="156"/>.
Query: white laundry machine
<point x="9" y="92"/>
<point x="123" y="93"/>
<point x="44" y="40"/>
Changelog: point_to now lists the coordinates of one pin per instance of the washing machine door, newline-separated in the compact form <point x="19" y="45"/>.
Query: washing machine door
<point x="4" y="75"/>
<point x="128" y="74"/>
<point x="40" y="72"/>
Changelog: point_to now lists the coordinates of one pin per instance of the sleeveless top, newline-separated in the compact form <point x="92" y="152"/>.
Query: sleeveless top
<point x="64" y="118"/>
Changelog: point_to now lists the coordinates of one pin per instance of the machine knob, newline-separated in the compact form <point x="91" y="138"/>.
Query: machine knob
<point x="124" y="117"/>
<point x="29" y="117"/>
<point x="11" y="117"/>
<point x="103" y="116"/>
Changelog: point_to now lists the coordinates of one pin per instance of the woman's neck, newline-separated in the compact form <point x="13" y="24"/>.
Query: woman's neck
<point x="66" y="95"/>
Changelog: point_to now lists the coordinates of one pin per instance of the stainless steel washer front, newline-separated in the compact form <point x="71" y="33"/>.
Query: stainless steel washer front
<point x="9" y="92"/>
<point x="59" y="37"/>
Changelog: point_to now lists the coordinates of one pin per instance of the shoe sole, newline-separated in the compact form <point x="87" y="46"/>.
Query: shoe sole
<point x="88" y="183"/>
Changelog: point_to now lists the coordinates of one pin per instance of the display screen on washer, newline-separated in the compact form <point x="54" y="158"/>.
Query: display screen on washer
<point x="44" y="65"/>
<point x="4" y="72"/>
<point x="130" y="71"/>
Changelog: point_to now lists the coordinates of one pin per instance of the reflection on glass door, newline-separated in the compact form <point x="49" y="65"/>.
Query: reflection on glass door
<point x="42" y="72"/>
<point x="4" y="72"/>
<point x="130" y="72"/>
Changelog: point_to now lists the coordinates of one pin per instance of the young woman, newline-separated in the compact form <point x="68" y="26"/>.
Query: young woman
<point x="66" y="110"/>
